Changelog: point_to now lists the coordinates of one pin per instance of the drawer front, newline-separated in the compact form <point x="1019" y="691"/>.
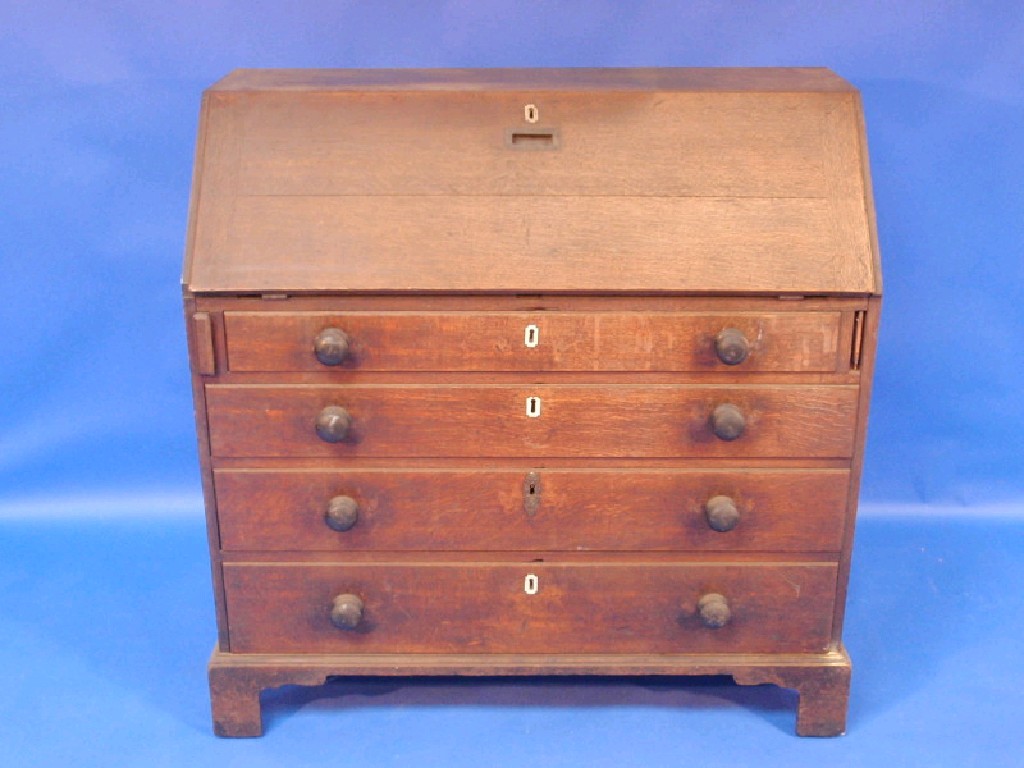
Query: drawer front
<point x="541" y="341"/>
<point x="552" y="509"/>
<point x="486" y="608"/>
<point x="584" y="421"/>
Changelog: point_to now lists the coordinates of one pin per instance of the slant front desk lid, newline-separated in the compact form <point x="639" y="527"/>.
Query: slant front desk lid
<point x="532" y="181"/>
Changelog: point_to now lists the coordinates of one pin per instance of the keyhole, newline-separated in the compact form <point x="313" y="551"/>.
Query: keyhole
<point x="531" y="584"/>
<point x="532" y="336"/>
<point x="533" y="407"/>
<point x="531" y="113"/>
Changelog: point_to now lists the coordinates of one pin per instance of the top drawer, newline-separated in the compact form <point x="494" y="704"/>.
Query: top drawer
<point x="538" y="341"/>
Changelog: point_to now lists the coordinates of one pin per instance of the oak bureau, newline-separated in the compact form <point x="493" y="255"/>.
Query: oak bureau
<point x="507" y="372"/>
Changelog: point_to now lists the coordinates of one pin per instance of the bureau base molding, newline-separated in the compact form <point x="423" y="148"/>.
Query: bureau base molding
<point x="822" y="681"/>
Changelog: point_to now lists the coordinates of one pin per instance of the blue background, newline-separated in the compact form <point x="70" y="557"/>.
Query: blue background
<point x="99" y="490"/>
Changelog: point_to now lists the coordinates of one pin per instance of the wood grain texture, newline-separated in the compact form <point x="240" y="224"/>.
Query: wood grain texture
<point x="759" y="79"/>
<point x="206" y="471"/>
<point x="872" y="320"/>
<point x="824" y="693"/>
<point x="337" y="190"/>
<point x="532" y="244"/>
<point x="391" y="204"/>
<point x="472" y="341"/>
<point x="726" y="145"/>
<point x="202" y="328"/>
<point x="532" y="302"/>
<point x="483" y="608"/>
<point x="444" y="510"/>
<point x="595" y="421"/>
<point x="822" y="680"/>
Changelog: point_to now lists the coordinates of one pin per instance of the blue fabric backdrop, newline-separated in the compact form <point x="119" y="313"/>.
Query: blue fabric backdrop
<point x="99" y="105"/>
<point x="105" y="624"/>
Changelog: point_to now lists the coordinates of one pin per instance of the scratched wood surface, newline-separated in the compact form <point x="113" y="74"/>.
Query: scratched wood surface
<point x="420" y="189"/>
<point x="420" y="211"/>
<point x="593" y="421"/>
<point x="483" y="608"/>
<point x="757" y="79"/>
<point x="611" y="509"/>
<point x="634" y="341"/>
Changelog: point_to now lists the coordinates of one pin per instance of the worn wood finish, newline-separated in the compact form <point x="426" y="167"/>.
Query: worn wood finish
<point x="602" y="510"/>
<point x="603" y="80"/>
<point x="762" y="150"/>
<point x="197" y="355"/>
<point x="869" y="347"/>
<point x="582" y="557"/>
<point x="422" y="341"/>
<point x="821" y="680"/>
<point x="627" y="607"/>
<point x="824" y="694"/>
<point x="489" y="302"/>
<point x="292" y="243"/>
<point x="202" y="342"/>
<point x="492" y="421"/>
<point x="685" y="243"/>
<point x="310" y="185"/>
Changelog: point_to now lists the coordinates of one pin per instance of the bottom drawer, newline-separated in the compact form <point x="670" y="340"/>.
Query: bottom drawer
<point x="529" y="607"/>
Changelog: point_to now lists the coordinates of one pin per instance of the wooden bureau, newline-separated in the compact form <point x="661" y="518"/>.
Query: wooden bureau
<point x="507" y="372"/>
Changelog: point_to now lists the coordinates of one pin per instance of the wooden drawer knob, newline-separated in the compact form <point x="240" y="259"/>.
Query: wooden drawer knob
<point x="332" y="424"/>
<point x="721" y="513"/>
<point x="346" y="611"/>
<point x="331" y="346"/>
<point x="342" y="513"/>
<point x="727" y="422"/>
<point x="732" y="346"/>
<point x="714" y="610"/>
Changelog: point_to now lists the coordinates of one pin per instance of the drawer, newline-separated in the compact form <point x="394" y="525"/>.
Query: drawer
<point x="549" y="509"/>
<point x="539" y="341"/>
<point x="493" y="421"/>
<point x="472" y="607"/>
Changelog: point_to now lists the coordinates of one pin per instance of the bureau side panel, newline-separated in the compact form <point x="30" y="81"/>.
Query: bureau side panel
<point x="199" y="350"/>
<point x="867" y="370"/>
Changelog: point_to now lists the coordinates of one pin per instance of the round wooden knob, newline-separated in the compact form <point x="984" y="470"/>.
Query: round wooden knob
<point x="331" y="346"/>
<point x="732" y="346"/>
<point x="332" y="424"/>
<point x="342" y="513"/>
<point x="714" y="610"/>
<point x="721" y="513"/>
<point x="346" y="611"/>
<point x="727" y="422"/>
